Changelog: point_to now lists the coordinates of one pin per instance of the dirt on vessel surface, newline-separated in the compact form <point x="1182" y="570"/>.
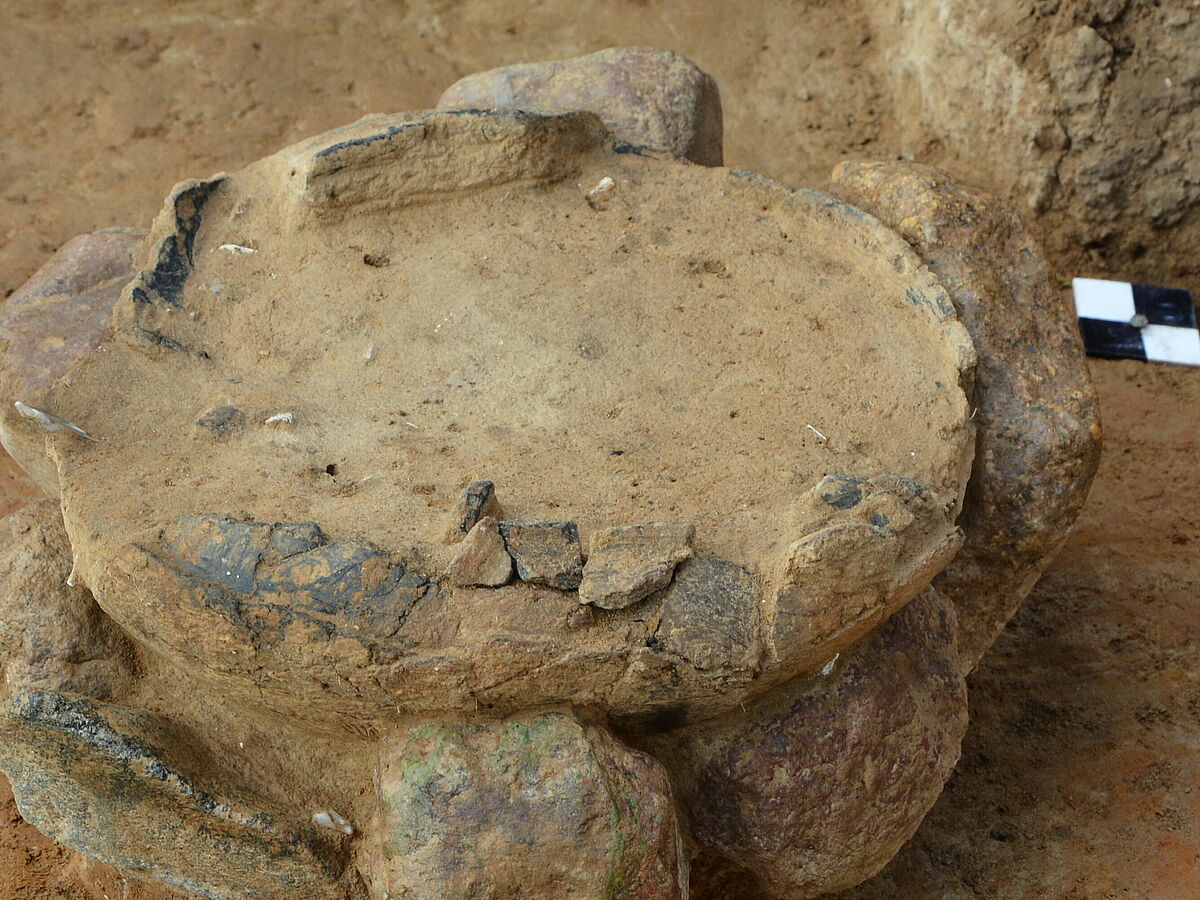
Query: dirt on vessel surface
<point x="1078" y="771"/>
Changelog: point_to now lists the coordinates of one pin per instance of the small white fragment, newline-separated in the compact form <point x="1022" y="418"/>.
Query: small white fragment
<point x="1168" y="82"/>
<point x="605" y="184"/>
<point x="412" y="425"/>
<point x="595" y="195"/>
<point x="828" y="667"/>
<point x="369" y="353"/>
<point x="333" y="821"/>
<point x="286" y="418"/>
<point x="52" y="423"/>
<point x="824" y="440"/>
<point x="237" y="248"/>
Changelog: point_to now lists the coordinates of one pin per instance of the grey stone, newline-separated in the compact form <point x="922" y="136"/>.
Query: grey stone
<point x="219" y="549"/>
<point x="49" y="325"/>
<point x="239" y="568"/>
<point x="1036" y="413"/>
<point x="291" y="538"/>
<point x="841" y="491"/>
<point x="94" y="777"/>
<point x="814" y="787"/>
<point x="222" y="421"/>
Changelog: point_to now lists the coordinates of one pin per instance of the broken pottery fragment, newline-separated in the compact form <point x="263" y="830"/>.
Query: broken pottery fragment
<point x="291" y="539"/>
<point x="477" y="500"/>
<point x="780" y="661"/>
<point x="710" y="615"/>
<point x="90" y="774"/>
<point x="264" y="580"/>
<point x="545" y="552"/>
<point x="883" y="516"/>
<point x="52" y="322"/>
<point x="573" y="814"/>
<point x="628" y="563"/>
<point x="1037" y="416"/>
<point x="651" y="99"/>
<point x="482" y="558"/>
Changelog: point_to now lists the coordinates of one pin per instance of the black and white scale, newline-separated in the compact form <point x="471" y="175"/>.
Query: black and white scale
<point x="1120" y="320"/>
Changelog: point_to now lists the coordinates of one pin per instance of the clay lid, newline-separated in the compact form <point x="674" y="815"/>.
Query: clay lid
<point x="323" y="351"/>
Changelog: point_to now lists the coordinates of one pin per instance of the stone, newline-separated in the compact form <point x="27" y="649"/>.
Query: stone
<point x="477" y="500"/>
<point x="629" y="563"/>
<point x="96" y="778"/>
<point x="538" y="806"/>
<point x="51" y="323"/>
<point x="816" y="786"/>
<point x="545" y="553"/>
<point x="53" y="636"/>
<point x="16" y="487"/>
<point x="647" y="98"/>
<point x="1036" y="413"/>
<point x="710" y="615"/>
<point x="482" y="558"/>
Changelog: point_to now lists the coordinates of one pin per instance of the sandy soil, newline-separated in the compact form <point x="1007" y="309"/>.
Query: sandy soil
<point x="1078" y="773"/>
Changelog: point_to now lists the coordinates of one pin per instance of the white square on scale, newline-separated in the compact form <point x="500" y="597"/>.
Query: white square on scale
<point x="1098" y="299"/>
<point x="1166" y="343"/>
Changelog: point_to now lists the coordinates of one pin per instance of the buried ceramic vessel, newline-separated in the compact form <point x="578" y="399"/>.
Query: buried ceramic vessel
<point x="484" y="502"/>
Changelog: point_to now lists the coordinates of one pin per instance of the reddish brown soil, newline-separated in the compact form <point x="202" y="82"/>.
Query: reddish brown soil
<point x="1079" y="774"/>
